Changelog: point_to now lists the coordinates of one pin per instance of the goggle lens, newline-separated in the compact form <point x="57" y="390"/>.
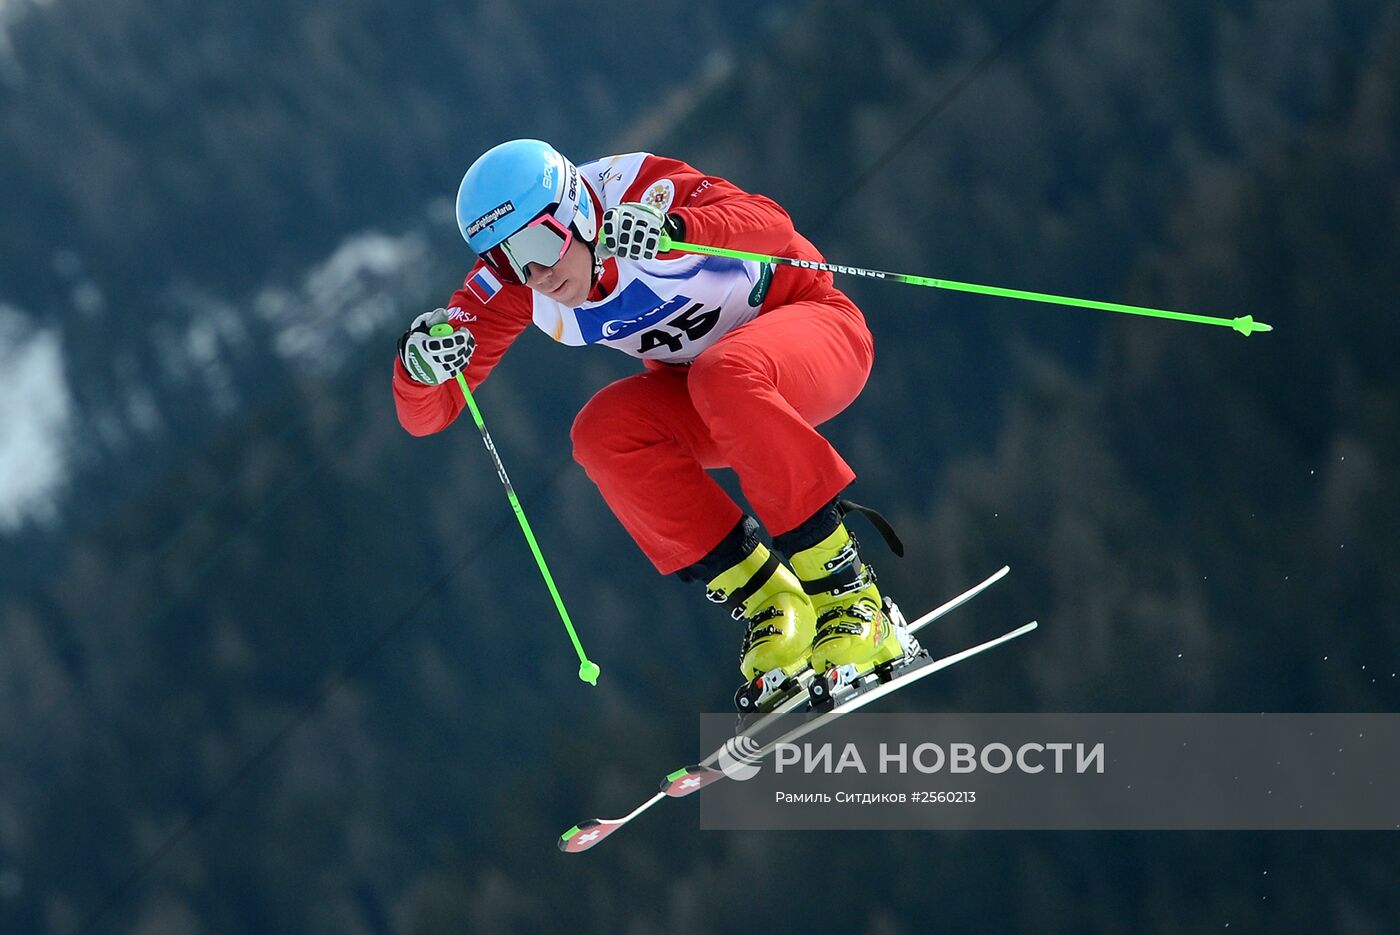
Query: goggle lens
<point x="544" y="241"/>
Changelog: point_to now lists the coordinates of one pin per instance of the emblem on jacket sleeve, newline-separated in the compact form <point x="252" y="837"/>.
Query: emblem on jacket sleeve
<point x="483" y="285"/>
<point x="660" y="195"/>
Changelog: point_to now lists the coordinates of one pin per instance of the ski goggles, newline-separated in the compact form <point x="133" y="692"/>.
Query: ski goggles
<point x="542" y="241"/>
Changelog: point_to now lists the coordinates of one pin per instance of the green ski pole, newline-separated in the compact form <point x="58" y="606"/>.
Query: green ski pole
<point x="1245" y="324"/>
<point x="587" y="669"/>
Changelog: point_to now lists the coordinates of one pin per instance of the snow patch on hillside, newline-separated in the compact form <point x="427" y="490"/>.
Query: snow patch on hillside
<point x="36" y="415"/>
<point x="348" y="298"/>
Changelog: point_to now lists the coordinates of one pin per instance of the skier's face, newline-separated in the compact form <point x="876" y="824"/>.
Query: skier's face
<point x="568" y="281"/>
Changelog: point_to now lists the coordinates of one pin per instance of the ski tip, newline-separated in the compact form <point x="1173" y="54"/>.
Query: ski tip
<point x="584" y="835"/>
<point x="689" y="779"/>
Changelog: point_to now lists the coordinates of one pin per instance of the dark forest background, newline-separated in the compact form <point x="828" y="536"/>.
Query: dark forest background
<point x="268" y="664"/>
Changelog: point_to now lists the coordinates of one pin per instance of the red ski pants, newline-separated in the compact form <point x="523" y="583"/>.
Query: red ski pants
<point x="748" y="402"/>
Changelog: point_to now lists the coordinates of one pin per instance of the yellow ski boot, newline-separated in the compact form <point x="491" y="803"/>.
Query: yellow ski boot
<point x="851" y="623"/>
<point x="778" y="616"/>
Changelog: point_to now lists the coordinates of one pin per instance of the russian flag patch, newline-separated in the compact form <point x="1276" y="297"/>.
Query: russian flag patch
<point x="483" y="284"/>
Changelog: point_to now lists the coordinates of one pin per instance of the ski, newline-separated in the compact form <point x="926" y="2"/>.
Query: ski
<point x="847" y="696"/>
<point x="683" y="782"/>
<point x="846" y="699"/>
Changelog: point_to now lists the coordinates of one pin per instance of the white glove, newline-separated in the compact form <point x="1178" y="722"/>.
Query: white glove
<point x="632" y="231"/>
<point x="431" y="359"/>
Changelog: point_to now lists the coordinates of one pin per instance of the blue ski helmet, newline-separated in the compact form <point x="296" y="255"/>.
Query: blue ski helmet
<point x="512" y="184"/>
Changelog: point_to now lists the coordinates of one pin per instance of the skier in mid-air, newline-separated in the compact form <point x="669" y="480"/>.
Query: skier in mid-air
<point x="742" y="362"/>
